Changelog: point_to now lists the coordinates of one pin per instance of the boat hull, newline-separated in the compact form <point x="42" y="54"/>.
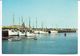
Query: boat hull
<point x="22" y="33"/>
<point x="12" y="33"/>
<point x="30" y="34"/>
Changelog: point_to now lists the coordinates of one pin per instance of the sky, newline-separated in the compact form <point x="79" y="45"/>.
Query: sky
<point x="50" y="13"/>
<point x="0" y="14"/>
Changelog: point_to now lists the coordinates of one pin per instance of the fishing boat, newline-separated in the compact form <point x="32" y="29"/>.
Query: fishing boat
<point x="42" y="32"/>
<point x="12" y="32"/>
<point x="53" y="31"/>
<point x="9" y="32"/>
<point x="37" y="32"/>
<point x="21" y="33"/>
<point x="22" y="30"/>
<point x="30" y="34"/>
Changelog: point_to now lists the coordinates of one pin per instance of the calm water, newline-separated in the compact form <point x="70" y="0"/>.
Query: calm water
<point x="45" y="44"/>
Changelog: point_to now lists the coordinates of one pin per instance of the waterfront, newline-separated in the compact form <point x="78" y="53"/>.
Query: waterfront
<point x="45" y="44"/>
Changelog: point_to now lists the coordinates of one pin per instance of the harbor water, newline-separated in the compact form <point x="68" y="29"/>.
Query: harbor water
<point x="44" y="44"/>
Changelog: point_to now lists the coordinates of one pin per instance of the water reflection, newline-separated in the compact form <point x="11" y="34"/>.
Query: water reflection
<point x="45" y="43"/>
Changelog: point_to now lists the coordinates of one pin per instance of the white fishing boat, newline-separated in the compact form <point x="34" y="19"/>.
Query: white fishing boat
<point x="22" y="30"/>
<point x="30" y="34"/>
<point x="40" y="32"/>
<point x="12" y="32"/>
<point x="21" y="33"/>
<point x="43" y="32"/>
<point x="54" y="31"/>
<point x="36" y="32"/>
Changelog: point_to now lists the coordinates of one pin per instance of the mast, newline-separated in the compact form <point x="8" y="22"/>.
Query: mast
<point x="42" y="25"/>
<point x="19" y="21"/>
<point x="29" y="22"/>
<point x="22" y="19"/>
<point x="23" y="24"/>
<point x="33" y="25"/>
<point x="36" y="23"/>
